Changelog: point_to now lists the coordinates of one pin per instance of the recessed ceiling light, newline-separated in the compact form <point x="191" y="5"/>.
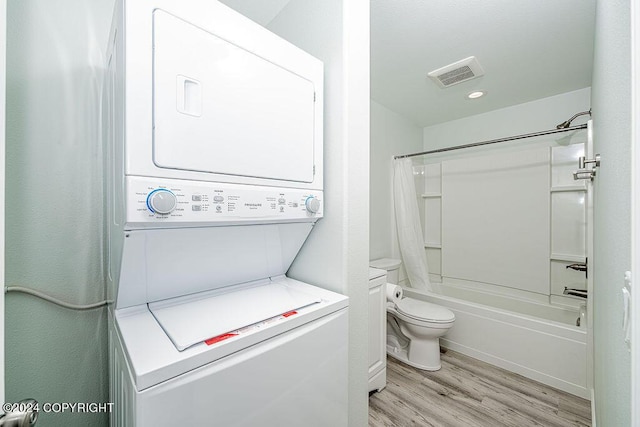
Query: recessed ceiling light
<point x="476" y="94"/>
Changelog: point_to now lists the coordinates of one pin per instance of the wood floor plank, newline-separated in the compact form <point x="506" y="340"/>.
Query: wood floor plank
<point x="509" y="416"/>
<point x="507" y="379"/>
<point x="429" y="406"/>
<point x="575" y="405"/>
<point x="444" y="405"/>
<point x="575" y="409"/>
<point x="470" y="393"/>
<point x="488" y="415"/>
<point x="453" y="379"/>
<point x="498" y="387"/>
<point x="396" y="408"/>
<point x="378" y="417"/>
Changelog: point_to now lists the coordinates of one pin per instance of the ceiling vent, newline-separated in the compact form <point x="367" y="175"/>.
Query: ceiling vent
<point x="458" y="72"/>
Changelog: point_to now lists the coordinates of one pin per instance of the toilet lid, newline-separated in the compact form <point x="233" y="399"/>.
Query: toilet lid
<point x="425" y="311"/>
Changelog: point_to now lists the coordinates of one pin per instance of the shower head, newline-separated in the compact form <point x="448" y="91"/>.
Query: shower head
<point x="567" y="123"/>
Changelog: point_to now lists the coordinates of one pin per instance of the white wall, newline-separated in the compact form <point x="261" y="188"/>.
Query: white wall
<point x="635" y="212"/>
<point x="391" y="134"/>
<point x="612" y="210"/>
<point x="336" y="254"/>
<point x="541" y="114"/>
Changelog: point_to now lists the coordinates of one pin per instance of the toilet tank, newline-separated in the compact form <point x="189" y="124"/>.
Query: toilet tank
<point x="391" y="265"/>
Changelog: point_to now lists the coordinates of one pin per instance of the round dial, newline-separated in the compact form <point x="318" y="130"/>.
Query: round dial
<point x="161" y="201"/>
<point x="312" y="204"/>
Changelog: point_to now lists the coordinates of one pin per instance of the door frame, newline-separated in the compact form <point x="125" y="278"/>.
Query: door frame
<point x="635" y="213"/>
<point x="3" y="75"/>
<point x="589" y="153"/>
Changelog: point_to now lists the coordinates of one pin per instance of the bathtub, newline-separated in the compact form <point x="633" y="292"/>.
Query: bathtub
<point x="544" y="344"/>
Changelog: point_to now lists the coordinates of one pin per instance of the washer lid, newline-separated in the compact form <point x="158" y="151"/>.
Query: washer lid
<point x="193" y="319"/>
<point x="422" y="310"/>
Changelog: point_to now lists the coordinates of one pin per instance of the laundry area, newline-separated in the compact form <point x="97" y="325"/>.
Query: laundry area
<point x="190" y="150"/>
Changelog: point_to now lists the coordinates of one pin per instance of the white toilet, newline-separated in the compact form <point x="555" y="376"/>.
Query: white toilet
<point x="414" y="327"/>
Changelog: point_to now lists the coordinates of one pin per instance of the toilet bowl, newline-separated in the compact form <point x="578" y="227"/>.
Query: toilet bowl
<point x="414" y="327"/>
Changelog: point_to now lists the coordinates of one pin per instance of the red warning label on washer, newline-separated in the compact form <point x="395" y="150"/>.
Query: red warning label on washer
<point x="219" y="338"/>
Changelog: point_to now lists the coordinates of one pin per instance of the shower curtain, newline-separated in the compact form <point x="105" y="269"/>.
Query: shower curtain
<point x="410" y="237"/>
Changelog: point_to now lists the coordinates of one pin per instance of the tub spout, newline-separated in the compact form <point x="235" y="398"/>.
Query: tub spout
<point x="581" y="293"/>
<point x="580" y="266"/>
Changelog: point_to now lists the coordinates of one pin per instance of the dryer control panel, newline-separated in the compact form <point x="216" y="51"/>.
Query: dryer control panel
<point x="151" y="202"/>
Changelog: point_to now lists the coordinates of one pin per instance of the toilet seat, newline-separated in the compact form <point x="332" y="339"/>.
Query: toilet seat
<point x="424" y="311"/>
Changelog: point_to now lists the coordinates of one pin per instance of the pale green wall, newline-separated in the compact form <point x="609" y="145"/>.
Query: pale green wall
<point x="54" y="236"/>
<point x="391" y="134"/>
<point x="611" y="103"/>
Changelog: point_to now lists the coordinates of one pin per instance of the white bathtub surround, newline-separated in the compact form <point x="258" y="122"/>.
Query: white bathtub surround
<point x="483" y="263"/>
<point x="508" y="220"/>
<point x="544" y="350"/>
<point x="495" y="219"/>
<point x="408" y="224"/>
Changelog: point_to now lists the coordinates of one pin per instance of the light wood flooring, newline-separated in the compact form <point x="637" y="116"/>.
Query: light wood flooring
<point x="468" y="393"/>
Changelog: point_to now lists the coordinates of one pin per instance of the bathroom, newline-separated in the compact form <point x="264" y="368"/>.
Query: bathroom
<point x="54" y="237"/>
<point x="462" y="230"/>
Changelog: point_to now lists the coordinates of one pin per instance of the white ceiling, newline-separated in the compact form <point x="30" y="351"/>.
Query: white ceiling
<point x="529" y="49"/>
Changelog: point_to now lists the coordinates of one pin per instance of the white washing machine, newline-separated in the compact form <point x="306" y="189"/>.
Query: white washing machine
<point x="214" y="131"/>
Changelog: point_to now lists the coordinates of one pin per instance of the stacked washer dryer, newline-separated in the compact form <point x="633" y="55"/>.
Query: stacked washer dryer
<point x="214" y="130"/>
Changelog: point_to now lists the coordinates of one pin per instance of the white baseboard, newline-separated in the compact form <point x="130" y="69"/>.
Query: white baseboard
<point x="518" y="369"/>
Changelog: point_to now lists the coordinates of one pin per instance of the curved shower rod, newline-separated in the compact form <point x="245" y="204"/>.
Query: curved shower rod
<point x="562" y="127"/>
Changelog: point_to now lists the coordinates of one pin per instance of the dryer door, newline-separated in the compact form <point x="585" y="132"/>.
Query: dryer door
<point x="219" y="108"/>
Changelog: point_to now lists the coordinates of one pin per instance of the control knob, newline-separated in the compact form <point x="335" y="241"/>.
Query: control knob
<point x="161" y="201"/>
<point x="312" y="204"/>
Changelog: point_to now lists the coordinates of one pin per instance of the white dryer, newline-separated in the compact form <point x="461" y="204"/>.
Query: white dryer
<point x="214" y="131"/>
